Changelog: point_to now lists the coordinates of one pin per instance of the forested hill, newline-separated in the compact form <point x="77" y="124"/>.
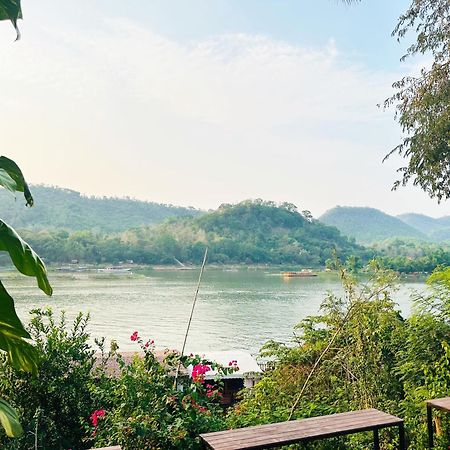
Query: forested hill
<point x="368" y="225"/>
<point x="251" y="232"/>
<point x="65" y="209"/>
<point x="436" y="229"/>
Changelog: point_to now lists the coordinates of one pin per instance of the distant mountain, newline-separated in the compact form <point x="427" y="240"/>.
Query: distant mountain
<point x="58" y="208"/>
<point x="368" y="225"/>
<point x="435" y="229"/>
<point x="251" y="232"/>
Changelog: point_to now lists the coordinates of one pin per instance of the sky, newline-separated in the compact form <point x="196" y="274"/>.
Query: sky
<point x="203" y="102"/>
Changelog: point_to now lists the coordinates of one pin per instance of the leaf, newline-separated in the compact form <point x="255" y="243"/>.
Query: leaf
<point x="23" y="256"/>
<point x="10" y="420"/>
<point x="11" y="176"/>
<point x="21" y="354"/>
<point x="9" y="321"/>
<point x="11" y="10"/>
<point x="6" y="181"/>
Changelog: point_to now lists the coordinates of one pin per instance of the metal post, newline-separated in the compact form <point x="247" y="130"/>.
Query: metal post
<point x="430" y="426"/>
<point x="376" y="439"/>
<point x="401" y="435"/>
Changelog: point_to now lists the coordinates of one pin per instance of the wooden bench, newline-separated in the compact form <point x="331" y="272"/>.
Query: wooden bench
<point x="442" y="404"/>
<point x="296" y="431"/>
<point x="115" y="447"/>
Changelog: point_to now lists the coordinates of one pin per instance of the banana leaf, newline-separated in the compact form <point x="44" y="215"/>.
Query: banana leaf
<point x="11" y="10"/>
<point x="10" y="420"/>
<point x="12" y="179"/>
<point x="23" y="256"/>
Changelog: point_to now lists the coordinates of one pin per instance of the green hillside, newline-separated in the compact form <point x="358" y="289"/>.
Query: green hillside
<point x="409" y="255"/>
<point x="250" y="232"/>
<point x="368" y="225"/>
<point x="57" y="208"/>
<point x="436" y="229"/>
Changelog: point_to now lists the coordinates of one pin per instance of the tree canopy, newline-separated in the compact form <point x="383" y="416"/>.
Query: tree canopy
<point x="423" y="102"/>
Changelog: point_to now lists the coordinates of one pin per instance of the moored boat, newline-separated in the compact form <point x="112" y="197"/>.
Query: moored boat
<point x="301" y="273"/>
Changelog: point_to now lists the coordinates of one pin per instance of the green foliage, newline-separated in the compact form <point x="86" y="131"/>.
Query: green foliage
<point x="376" y="359"/>
<point x="77" y="401"/>
<point x="423" y="102"/>
<point x="249" y="232"/>
<point x="144" y="409"/>
<point x="23" y="257"/>
<point x="20" y="353"/>
<point x="55" y="403"/>
<point x="11" y="10"/>
<point x="9" y="420"/>
<point x="11" y="177"/>
<point x="65" y="209"/>
<point x="410" y="256"/>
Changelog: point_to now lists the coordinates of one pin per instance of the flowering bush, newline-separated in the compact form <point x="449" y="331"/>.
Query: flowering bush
<point x="71" y="404"/>
<point x="146" y="408"/>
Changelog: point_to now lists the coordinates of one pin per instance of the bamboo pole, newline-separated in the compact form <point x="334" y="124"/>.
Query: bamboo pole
<point x="191" y="315"/>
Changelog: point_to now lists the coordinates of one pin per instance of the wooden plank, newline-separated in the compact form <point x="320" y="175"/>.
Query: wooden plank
<point x="440" y="403"/>
<point x="283" y="433"/>
<point x="115" y="447"/>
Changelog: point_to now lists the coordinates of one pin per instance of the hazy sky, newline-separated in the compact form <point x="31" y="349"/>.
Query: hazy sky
<point x="201" y="102"/>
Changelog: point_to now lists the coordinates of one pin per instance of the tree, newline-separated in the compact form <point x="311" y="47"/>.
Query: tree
<point x="423" y="102"/>
<point x="21" y="354"/>
<point x="11" y="10"/>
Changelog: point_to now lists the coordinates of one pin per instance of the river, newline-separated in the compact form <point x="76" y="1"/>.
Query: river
<point x="235" y="309"/>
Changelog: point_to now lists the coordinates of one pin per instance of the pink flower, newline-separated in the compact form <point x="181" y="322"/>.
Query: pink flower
<point x="198" y="372"/>
<point x="134" y="336"/>
<point x="95" y="415"/>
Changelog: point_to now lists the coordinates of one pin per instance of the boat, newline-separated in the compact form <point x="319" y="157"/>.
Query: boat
<point x="116" y="270"/>
<point x="300" y="274"/>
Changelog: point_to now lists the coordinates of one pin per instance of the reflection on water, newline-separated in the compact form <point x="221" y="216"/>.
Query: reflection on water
<point x="235" y="310"/>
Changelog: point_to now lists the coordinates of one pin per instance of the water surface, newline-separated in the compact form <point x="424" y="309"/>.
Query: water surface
<point x="235" y="310"/>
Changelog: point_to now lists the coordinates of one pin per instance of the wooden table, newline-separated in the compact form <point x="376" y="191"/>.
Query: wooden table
<point x="285" y="433"/>
<point x="443" y="404"/>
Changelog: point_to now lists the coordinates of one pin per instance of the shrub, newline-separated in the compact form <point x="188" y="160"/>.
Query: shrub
<point x="54" y="404"/>
<point x="71" y="404"/>
<point x="376" y="359"/>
